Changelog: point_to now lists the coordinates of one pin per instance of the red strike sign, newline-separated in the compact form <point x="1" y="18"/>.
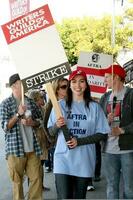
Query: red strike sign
<point x="94" y="79"/>
<point x="27" y="24"/>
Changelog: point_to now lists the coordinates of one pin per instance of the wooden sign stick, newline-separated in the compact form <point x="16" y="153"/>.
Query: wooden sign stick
<point x="57" y="109"/>
<point x="53" y="99"/>
<point x="22" y="93"/>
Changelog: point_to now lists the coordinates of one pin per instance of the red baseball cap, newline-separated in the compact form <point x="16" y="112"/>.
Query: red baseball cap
<point x="116" y="69"/>
<point x="77" y="72"/>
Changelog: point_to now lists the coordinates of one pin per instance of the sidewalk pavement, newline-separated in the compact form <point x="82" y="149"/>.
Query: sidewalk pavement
<point x="6" y="190"/>
<point x="98" y="193"/>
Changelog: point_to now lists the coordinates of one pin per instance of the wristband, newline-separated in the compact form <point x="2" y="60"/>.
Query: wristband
<point x="18" y="115"/>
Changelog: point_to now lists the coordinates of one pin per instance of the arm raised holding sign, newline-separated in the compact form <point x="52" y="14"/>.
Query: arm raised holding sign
<point x="18" y="121"/>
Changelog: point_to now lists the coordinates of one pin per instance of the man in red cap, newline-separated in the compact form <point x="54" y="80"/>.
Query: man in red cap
<point x="118" y="107"/>
<point x="115" y="69"/>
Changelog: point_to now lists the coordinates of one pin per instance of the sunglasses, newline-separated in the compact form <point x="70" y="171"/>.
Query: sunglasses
<point x="63" y="87"/>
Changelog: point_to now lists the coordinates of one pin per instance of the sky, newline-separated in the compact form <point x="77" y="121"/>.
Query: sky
<point x="67" y="8"/>
<point x="60" y="9"/>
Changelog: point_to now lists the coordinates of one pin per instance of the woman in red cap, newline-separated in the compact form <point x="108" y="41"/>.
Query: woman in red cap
<point x="74" y="161"/>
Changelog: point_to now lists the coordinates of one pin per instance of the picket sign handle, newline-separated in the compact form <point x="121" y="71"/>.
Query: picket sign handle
<point x="53" y="99"/>
<point x="57" y="109"/>
<point x="22" y="93"/>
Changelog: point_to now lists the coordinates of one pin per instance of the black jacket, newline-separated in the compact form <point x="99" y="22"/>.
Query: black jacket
<point x="125" y="140"/>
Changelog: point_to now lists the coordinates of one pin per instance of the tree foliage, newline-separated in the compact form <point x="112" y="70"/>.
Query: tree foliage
<point x="93" y="35"/>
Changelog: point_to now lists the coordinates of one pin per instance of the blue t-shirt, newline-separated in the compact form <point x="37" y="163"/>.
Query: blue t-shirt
<point x="81" y="122"/>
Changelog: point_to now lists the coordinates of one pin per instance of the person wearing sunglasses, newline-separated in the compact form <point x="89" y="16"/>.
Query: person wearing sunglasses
<point x="60" y="86"/>
<point x="74" y="161"/>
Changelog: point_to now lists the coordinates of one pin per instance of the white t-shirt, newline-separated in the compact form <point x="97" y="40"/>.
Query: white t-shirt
<point x="27" y="133"/>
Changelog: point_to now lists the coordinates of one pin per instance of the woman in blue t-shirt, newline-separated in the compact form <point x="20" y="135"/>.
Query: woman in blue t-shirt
<point x="74" y="160"/>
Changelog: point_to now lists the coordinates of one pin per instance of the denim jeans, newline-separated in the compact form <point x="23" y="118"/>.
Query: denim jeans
<point x="116" y="165"/>
<point x="70" y="187"/>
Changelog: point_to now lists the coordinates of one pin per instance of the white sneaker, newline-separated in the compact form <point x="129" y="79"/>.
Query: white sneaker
<point x="90" y="188"/>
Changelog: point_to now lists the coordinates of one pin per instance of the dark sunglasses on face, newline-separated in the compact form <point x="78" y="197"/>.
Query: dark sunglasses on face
<point x="63" y="87"/>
